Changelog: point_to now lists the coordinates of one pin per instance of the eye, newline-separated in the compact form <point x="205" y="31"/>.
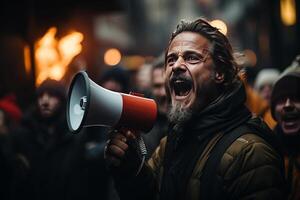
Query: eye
<point x="171" y="61"/>
<point x="193" y="59"/>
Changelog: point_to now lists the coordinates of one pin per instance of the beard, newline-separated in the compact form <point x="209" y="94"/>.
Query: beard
<point x="179" y="116"/>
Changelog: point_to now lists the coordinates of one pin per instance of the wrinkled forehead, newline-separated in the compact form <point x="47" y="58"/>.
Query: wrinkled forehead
<point x="188" y="41"/>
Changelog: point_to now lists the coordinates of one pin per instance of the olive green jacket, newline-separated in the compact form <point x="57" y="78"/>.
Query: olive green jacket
<point x="250" y="168"/>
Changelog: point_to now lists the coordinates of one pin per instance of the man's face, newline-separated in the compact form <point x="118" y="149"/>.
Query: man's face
<point x="48" y="105"/>
<point x="265" y="92"/>
<point x="287" y="112"/>
<point x="158" y="89"/>
<point x="189" y="71"/>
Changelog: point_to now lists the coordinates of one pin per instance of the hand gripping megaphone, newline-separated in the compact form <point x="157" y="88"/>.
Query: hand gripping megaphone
<point x="92" y="105"/>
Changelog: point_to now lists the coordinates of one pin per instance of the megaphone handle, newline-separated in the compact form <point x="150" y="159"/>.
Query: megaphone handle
<point x="143" y="152"/>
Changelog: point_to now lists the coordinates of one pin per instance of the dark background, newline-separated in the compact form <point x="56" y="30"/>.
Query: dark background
<point x="148" y="24"/>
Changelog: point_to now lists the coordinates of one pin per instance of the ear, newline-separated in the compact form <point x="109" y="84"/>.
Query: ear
<point x="219" y="77"/>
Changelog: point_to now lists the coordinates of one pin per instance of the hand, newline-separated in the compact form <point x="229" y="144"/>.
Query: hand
<point x="118" y="146"/>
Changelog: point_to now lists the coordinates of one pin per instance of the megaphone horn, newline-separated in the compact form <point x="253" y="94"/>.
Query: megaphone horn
<point x="92" y="105"/>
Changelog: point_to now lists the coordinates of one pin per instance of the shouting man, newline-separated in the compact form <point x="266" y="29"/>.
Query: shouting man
<point x="214" y="149"/>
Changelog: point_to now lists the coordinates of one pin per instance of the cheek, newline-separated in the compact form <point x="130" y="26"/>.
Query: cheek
<point x="278" y="109"/>
<point x="55" y="104"/>
<point x="202" y="78"/>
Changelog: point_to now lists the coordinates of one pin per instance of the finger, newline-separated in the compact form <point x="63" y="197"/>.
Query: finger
<point x="120" y="143"/>
<point x="111" y="160"/>
<point x="121" y="137"/>
<point x="113" y="150"/>
<point x="130" y="135"/>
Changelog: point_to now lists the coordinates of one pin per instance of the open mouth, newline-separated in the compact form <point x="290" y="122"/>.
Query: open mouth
<point x="291" y="117"/>
<point x="181" y="87"/>
<point x="291" y="122"/>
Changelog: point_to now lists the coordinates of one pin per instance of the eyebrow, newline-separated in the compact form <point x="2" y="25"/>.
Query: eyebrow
<point x="186" y="53"/>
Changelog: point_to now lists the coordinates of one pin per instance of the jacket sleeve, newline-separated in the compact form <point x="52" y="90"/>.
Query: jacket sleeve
<point x="252" y="169"/>
<point x="146" y="184"/>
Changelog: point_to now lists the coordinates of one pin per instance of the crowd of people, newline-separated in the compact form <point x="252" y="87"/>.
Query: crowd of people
<point x="215" y="137"/>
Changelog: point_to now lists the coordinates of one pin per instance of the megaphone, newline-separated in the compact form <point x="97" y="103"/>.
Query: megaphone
<point x="92" y="105"/>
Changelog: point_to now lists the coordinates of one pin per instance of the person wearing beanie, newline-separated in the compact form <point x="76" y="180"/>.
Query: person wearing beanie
<point x="43" y="141"/>
<point x="9" y="105"/>
<point x="57" y="164"/>
<point x="51" y="99"/>
<point x="285" y="108"/>
<point x="10" y="115"/>
<point x="264" y="82"/>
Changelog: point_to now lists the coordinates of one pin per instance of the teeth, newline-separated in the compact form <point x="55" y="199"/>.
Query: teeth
<point x="178" y="81"/>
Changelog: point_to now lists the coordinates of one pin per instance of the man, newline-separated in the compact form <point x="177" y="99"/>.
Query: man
<point x="207" y="106"/>
<point x="158" y="85"/>
<point x="159" y="129"/>
<point x="285" y="104"/>
<point x="43" y="143"/>
<point x="58" y="164"/>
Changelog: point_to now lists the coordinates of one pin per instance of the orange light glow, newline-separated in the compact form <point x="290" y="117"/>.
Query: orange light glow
<point x="133" y="62"/>
<point x="52" y="56"/>
<point x="112" y="57"/>
<point x="288" y="12"/>
<point x="251" y="57"/>
<point x="27" y="61"/>
<point x="219" y="24"/>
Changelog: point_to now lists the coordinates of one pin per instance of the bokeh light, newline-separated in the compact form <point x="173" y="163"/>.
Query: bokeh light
<point x="112" y="57"/>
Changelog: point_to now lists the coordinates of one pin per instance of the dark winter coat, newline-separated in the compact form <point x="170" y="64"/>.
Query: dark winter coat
<point x="250" y="168"/>
<point x="61" y="165"/>
<point x="291" y="147"/>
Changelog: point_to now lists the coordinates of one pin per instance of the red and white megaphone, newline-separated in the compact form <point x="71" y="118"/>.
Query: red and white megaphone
<point x="92" y="105"/>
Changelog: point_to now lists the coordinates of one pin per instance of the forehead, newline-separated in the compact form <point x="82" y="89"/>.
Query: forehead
<point x="186" y="41"/>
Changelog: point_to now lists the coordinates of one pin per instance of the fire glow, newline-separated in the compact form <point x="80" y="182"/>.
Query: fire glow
<point x="52" y="55"/>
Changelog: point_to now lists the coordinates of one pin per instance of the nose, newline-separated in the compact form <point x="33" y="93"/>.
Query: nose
<point x="179" y="65"/>
<point x="44" y="96"/>
<point x="44" y="99"/>
<point x="288" y="105"/>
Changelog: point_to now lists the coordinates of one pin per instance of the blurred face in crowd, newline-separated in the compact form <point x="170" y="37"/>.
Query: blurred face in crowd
<point x="189" y="73"/>
<point x="112" y="85"/>
<point x="158" y="89"/>
<point x="265" y="92"/>
<point x="287" y="112"/>
<point x="48" y="105"/>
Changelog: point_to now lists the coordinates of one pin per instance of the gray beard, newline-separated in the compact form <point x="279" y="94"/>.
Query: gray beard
<point x="179" y="116"/>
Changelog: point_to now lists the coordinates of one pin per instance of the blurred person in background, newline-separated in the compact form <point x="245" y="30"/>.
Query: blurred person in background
<point x="116" y="79"/>
<point x="10" y="115"/>
<point x="264" y="82"/>
<point x="159" y="129"/>
<point x="45" y="143"/>
<point x="255" y="101"/>
<point x="257" y="104"/>
<point x="60" y="165"/>
<point x="143" y="80"/>
<point x="207" y="100"/>
<point x="285" y="104"/>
